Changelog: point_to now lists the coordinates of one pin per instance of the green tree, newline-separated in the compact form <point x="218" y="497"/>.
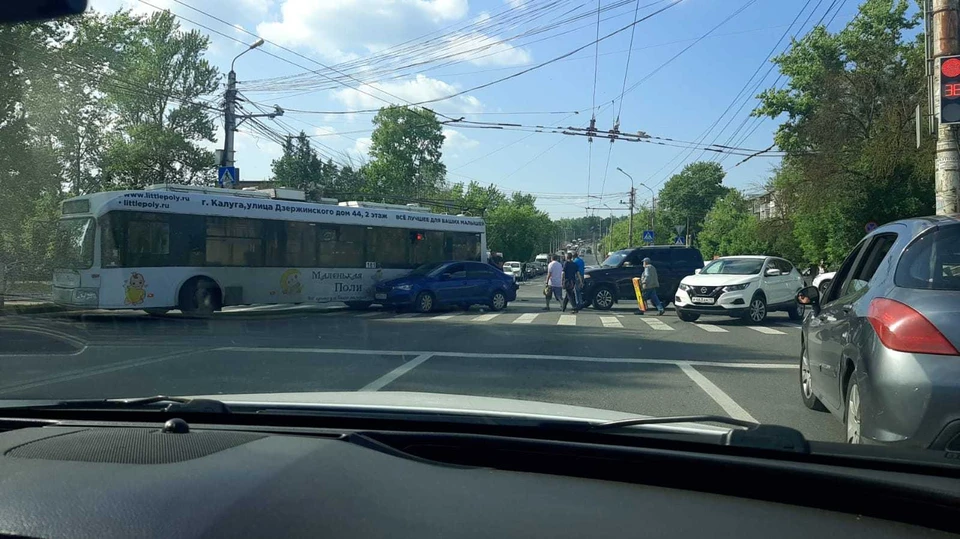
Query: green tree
<point x="300" y="167"/>
<point x="161" y="118"/>
<point x="731" y="228"/>
<point x="405" y="155"/>
<point x="518" y="229"/>
<point x="690" y="194"/>
<point x="474" y="198"/>
<point x="29" y="171"/>
<point x="849" y="129"/>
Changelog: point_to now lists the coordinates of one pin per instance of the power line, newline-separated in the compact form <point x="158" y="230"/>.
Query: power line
<point x="548" y="62"/>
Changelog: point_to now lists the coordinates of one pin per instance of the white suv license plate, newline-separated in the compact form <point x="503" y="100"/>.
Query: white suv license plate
<point x="380" y="296"/>
<point x="710" y="301"/>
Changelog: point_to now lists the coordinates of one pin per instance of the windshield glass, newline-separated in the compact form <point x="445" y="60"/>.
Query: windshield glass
<point x="439" y="144"/>
<point x="427" y="269"/>
<point x="615" y="259"/>
<point x="74" y="243"/>
<point x="734" y="266"/>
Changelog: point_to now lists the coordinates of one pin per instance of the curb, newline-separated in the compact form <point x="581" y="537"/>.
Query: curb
<point x="31" y="308"/>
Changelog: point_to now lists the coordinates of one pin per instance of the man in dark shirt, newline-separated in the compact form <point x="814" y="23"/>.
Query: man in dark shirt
<point x="571" y="280"/>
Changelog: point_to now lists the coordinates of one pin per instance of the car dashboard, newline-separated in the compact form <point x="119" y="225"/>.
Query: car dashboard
<point x="137" y="479"/>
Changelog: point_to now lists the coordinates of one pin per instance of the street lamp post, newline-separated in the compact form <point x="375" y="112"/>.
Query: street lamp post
<point x="633" y="196"/>
<point x="653" y="206"/>
<point x="230" y="108"/>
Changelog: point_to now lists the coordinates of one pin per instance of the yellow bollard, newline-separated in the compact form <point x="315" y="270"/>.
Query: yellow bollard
<point x="636" y="288"/>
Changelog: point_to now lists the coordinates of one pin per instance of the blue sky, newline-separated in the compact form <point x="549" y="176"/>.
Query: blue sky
<point x="680" y="101"/>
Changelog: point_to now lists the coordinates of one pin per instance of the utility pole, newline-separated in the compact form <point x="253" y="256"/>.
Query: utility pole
<point x="230" y="116"/>
<point x="633" y="202"/>
<point x="947" y="165"/>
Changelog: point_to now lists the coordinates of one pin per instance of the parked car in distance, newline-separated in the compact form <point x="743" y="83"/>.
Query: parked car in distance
<point x="612" y="281"/>
<point x="823" y="280"/>
<point x="880" y="348"/>
<point x="515" y="268"/>
<point x="748" y="287"/>
<point x="448" y="284"/>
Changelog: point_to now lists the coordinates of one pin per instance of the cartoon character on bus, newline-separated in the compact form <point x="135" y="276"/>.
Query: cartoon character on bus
<point x="290" y="282"/>
<point x="136" y="289"/>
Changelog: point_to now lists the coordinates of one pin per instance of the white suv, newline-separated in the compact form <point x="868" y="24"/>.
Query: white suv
<point x="746" y="287"/>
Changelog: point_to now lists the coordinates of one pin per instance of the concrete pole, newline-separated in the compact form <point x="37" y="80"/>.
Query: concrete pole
<point x="633" y="197"/>
<point x="229" y="119"/>
<point x="947" y="166"/>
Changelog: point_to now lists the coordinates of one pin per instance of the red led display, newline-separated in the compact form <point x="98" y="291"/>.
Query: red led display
<point x="951" y="90"/>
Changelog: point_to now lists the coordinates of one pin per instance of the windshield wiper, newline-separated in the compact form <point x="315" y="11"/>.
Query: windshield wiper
<point x="753" y="435"/>
<point x="176" y="404"/>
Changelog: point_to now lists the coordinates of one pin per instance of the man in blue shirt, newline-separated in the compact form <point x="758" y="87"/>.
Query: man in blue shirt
<point x="578" y="296"/>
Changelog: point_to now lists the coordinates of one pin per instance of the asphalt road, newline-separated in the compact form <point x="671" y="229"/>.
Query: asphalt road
<point x="615" y="360"/>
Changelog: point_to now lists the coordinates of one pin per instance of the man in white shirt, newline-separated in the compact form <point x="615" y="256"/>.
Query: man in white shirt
<point x="554" y="280"/>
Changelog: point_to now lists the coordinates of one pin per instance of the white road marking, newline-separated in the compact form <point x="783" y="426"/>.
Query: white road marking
<point x="788" y="326"/>
<point x="368" y="315"/>
<point x="766" y="330"/>
<point x="407" y="315"/>
<point x="485" y="317"/>
<point x="443" y="317"/>
<point x="733" y="363"/>
<point x="525" y="318"/>
<point x="610" y="322"/>
<point x="657" y="324"/>
<point x="729" y="406"/>
<point x="711" y="328"/>
<point x="567" y="320"/>
<point x="379" y="383"/>
<point x="100" y="369"/>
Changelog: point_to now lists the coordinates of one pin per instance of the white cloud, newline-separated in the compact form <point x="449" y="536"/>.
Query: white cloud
<point x="455" y="142"/>
<point x="343" y="30"/>
<point x="361" y="148"/>
<point x="421" y="88"/>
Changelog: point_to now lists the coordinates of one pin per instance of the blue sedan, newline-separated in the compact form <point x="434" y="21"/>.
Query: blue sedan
<point x="448" y="284"/>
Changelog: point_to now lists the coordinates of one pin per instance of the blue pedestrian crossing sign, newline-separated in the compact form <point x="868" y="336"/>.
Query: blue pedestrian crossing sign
<point x="228" y="176"/>
<point x="679" y="240"/>
<point x="648" y="236"/>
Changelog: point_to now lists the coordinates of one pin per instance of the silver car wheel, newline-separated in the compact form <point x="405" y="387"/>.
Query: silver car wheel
<point x="853" y="415"/>
<point x="758" y="311"/>
<point x="499" y="301"/>
<point x="805" y="377"/>
<point x="426" y="303"/>
<point x="604" y="298"/>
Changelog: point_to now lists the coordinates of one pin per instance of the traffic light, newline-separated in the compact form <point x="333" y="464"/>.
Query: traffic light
<point x="950" y="90"/>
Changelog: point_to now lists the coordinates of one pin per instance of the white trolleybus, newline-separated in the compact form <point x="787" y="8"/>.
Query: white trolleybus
<point x="198" y="249"/>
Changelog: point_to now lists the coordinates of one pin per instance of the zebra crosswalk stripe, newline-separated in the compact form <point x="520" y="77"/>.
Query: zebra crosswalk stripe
<point x="368" y="315"/>
<point x="443" y="317"/>
<point x="525" y="318"/>
<point x="766" y="330"/>
<point x="610" y="322"/>
<point x="656" y="324"/>
<point x="567" y="320"/>
<point x="485" y="317"/>
<point x="711" y="328"/>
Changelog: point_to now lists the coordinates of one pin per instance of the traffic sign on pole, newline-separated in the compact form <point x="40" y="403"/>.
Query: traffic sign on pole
<point x="679" y="240"/>
<point x="228" y="176"/>
<point x="648" y="236"/>
<point x="870" y="227"/>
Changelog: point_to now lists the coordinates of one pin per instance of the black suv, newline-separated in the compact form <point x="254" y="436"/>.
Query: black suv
<point x="613" y="280"/>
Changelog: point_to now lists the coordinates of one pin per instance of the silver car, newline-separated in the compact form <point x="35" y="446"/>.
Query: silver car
<point x="880" y="348"/>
